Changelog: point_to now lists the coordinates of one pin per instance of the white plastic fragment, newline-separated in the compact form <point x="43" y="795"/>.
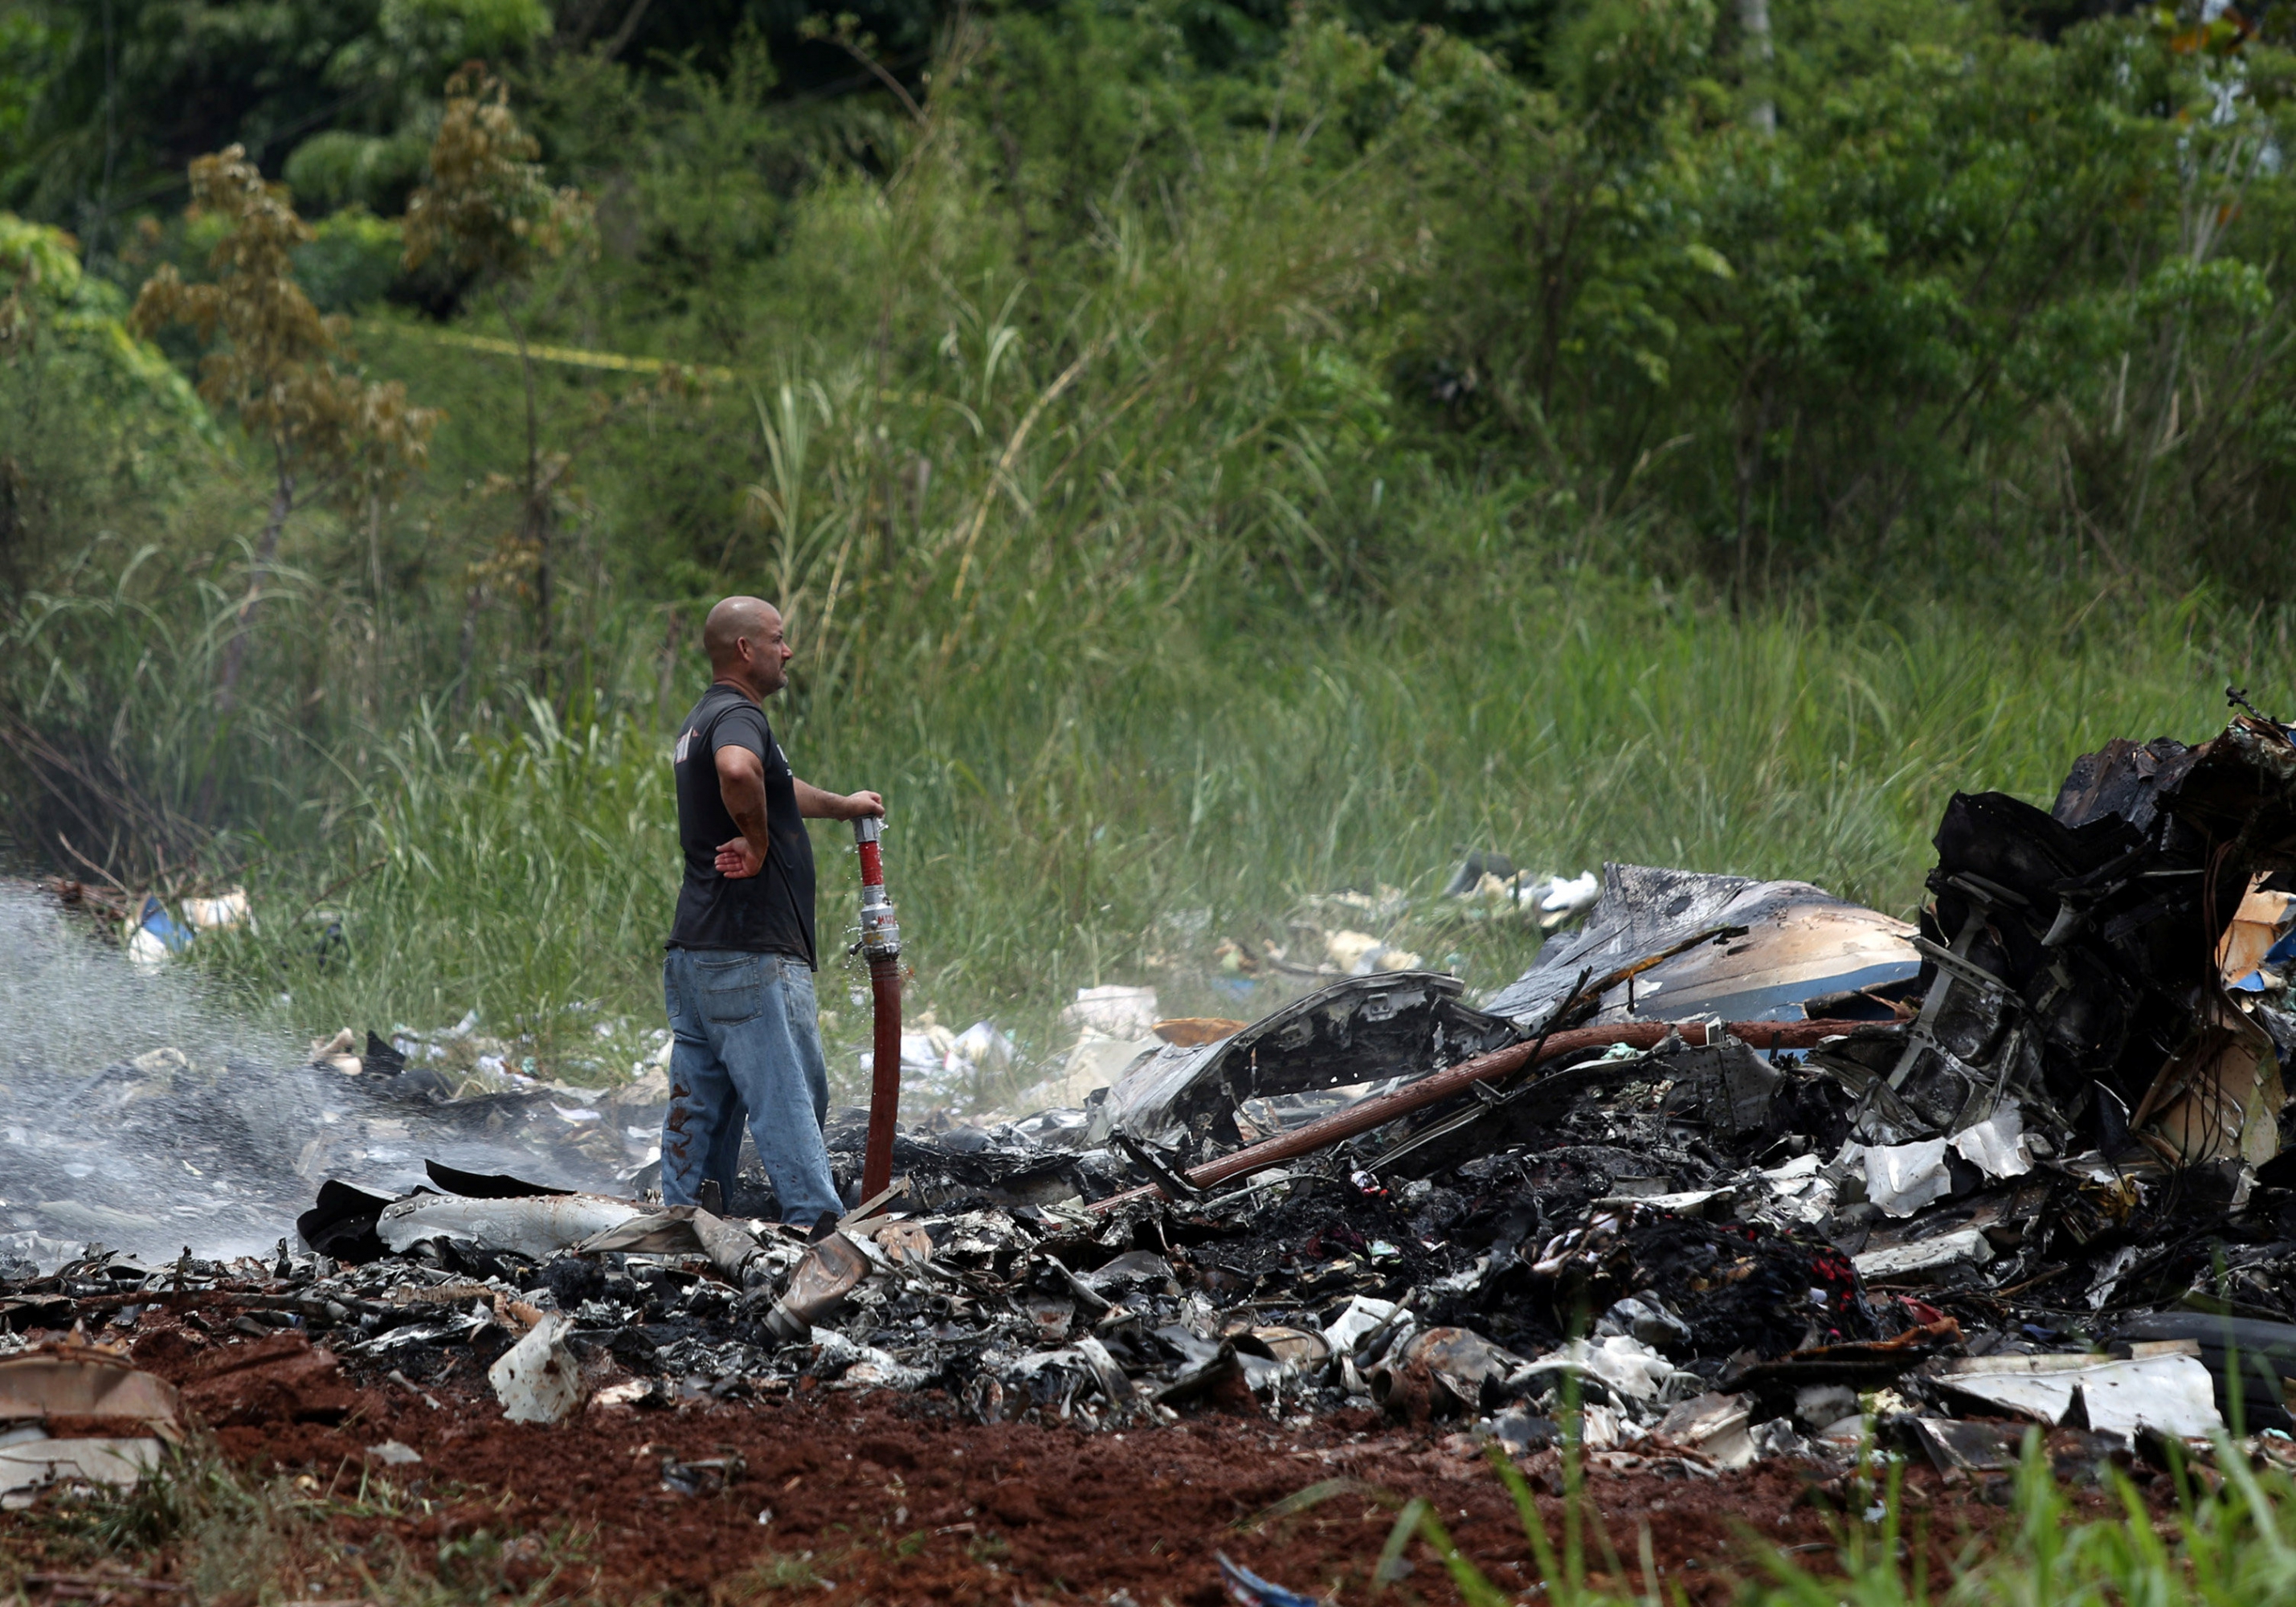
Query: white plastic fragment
<point x="1568" y="898"/>
<point x="1112" y="1012"/>
<point x="1713" y="1423"/>
<point x="394" y="1454"/>
<point x="538" y="1379"/>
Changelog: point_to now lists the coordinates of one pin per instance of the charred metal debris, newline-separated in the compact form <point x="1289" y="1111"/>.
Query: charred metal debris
<point x="1736" y="1170"/>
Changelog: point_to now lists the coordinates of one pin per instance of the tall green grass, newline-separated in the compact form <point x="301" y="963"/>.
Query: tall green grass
<point x="1056" y="824"/>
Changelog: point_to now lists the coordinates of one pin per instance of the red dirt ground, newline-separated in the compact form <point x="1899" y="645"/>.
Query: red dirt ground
<point x="892" y="1499"/>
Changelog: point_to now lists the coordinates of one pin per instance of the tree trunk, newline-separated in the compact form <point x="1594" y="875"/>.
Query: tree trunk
<point x="1754" y="21"/>
<point x="467" y="650"/>
<point x="534" y="518"/>
<point x="374" y="551"/>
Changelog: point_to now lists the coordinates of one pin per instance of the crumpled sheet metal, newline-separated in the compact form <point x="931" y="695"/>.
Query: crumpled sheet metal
<point x="1394" y="1025"/>
<point x="2170" y="1394"/>
<point x="535" y="1225"/>
<point x="122" y="1417"/>
<point x="2066" y="949"/>
<point x="1802" y="944"/>
<point x="79" y="1381"/>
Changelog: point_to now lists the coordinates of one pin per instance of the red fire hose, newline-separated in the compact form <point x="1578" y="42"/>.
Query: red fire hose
<point x="880" y="941"/>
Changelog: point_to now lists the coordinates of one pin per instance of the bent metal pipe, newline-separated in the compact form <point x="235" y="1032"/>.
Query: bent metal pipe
<point x="1363" y="1116"/>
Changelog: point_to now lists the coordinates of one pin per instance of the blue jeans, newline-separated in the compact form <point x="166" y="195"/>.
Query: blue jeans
<point x="745" y="1037"/>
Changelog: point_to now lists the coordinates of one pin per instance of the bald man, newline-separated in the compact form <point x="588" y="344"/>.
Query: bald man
<point x="738" y="978"/>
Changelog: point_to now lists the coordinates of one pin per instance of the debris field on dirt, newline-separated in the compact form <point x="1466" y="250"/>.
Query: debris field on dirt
<point x="1738" y="1181"/>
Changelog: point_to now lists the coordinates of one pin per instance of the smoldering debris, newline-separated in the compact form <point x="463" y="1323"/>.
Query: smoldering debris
<point x="1737" y="1170"/>
<point x="141" y="1117"/>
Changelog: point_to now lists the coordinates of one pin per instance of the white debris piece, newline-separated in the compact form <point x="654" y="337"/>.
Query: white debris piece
<point x="980" y="1047"/>
<point x="32" y="1465"/>
<point x="538" y="1379"/>
<point x="1962" y="1247"/>
<point x="1358" y="954"/>
<point x="1800" y="1190"/>
<point x="529" y="1225"/>
<point x="857" y="1366"/>
<point x="1112" y="1012"/>
<point x="1564" y="899"/>
<point x="1715" y="1425"/>
<point x="2173" y="1394"/>
<point x="1628" y="1366"/>
<point x="1996" y="1145"/>
<point x="227" y="910"/>
<point x="1903" y="1177"/>
<point x="1363" y="1317"/>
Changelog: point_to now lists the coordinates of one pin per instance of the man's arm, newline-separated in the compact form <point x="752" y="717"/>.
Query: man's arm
<point x="814" y="804"/>
<point x="742" y="784"/>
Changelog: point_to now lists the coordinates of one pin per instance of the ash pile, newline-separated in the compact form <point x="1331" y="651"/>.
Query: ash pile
<point x="1737" y="1170"/>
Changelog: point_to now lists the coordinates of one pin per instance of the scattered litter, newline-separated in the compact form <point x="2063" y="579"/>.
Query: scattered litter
<point x="157" y="937"/>
<point x="1248" y="1589"/>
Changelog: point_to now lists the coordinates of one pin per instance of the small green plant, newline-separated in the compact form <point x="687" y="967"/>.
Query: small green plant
<point x="2229" y="1540"/>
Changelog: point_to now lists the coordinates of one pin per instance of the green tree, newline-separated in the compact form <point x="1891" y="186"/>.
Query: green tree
<point x="277" y="366"/>
<point x="488" y="212"/>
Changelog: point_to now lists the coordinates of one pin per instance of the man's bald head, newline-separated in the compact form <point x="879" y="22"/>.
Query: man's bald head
<point x="747" y="644"/>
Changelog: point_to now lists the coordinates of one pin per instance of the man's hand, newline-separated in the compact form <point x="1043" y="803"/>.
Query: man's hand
<point x="861" y="805"/>
<point x="737" y="860"/>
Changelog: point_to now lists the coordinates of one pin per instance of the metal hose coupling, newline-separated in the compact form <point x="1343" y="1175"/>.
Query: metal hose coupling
<point x="881" y="928"/>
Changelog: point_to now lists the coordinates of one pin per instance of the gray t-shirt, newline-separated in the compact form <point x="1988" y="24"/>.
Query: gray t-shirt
<point x="771" y="912"/>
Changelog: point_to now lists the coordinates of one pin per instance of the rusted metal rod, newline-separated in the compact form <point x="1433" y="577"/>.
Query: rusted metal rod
<point x="1378" y="1111"/>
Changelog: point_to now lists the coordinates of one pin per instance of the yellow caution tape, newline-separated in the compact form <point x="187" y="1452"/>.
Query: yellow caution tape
<point x="573" y="357"/>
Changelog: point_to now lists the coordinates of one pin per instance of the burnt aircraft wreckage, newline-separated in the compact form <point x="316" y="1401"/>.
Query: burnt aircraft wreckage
<point x="1736" y="1169"/>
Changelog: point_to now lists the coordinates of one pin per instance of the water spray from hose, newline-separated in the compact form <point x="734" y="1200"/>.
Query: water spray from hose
<point x="881" y="943"/>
